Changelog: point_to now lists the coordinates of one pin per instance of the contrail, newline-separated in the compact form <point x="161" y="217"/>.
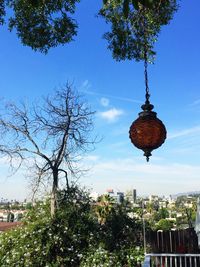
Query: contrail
<point x="114" y="97"/>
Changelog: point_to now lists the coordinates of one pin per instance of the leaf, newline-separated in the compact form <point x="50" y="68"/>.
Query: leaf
<point x="149" y="3"/>
<point x="146" y="3"/>
<point x="126" y="8"/>
<point x="105" y="2"/>
<point x="142" y="2"/>
<point x="135" y="4"/>
<point x="34" y="3"/>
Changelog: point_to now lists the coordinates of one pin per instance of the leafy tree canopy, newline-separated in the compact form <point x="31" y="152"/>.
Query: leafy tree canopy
<point x="135" y="25"/>
<point x="49" y="23"/>
<point x="164" y="225"/>
<point x="161" y="214"/>
<point x="41" y="24"/>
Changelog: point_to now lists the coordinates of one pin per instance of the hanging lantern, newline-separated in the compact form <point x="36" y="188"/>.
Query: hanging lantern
<point x="147" y="132"/>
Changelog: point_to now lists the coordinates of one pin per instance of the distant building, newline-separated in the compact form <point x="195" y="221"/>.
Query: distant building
<point x="110" y="192"/>
<point x="162" y="204"/>
<point x="11" y="215"/>
<point x="153" y="198"/>
<point x="131" y="196"/>
<point x="134" y="195"/>
<point x="118" y="197"/>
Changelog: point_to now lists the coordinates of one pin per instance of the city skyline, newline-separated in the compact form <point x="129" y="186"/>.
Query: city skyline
<point x="116" y="91"/>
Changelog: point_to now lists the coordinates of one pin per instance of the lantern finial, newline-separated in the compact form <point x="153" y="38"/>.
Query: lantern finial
<point x="147" y="154"/>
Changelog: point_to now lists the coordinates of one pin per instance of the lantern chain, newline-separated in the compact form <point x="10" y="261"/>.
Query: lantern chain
<point x="145" y="32"/>
<point x="146" y="74"/>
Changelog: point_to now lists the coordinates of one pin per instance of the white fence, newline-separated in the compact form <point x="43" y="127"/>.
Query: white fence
<point x="172" y="260"/>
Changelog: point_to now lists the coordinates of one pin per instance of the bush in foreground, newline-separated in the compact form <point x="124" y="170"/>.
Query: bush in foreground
<point x="74" y="237"/>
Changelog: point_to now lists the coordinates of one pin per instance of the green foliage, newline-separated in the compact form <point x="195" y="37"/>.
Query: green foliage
<point x="103" y="258"/>
<point x="48" y="23"/>
<point x="139" y="212"/>
<point x="2" y="11"/>
<point x="135" y="26"/>
<point x="71" y="236"/>
<point x="180" y="201"/>
<point x="160" y="214"/>
<point x="133" y="256"/>
<point x="43" y="24"/>
<point x="136" y="4"/>
<point x="43" y="241"/>
<point x="164" y="225"/>
<point x="28" y="206"/>
<point x="120" y="231"/>
<point x="104" y="208"/>
<point x="100" y="258"/>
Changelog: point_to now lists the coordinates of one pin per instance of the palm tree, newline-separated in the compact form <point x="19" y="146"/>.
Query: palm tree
<point x="104" y="207"/>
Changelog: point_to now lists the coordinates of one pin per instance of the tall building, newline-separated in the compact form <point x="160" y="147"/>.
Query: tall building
<point x="134" y="195"/>
<point x="131" y="195"/>
<point x="120" y="197"/>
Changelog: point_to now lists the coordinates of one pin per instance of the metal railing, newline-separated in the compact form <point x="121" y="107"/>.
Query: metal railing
<point x="172" y="260"/>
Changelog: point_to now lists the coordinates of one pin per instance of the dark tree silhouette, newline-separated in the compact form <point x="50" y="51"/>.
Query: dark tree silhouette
<point x="53" y="134"/>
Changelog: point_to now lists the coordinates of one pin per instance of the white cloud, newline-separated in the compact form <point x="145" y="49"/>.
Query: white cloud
<point x="126" y="99"/>
<point x="104" y="102"/>
<point x="112" y="114"/>
<point x="85" y="86"/>
<point x="185" y="132"/>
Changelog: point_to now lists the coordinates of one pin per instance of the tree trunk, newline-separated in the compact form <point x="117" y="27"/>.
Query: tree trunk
<point x="54" y="203"/>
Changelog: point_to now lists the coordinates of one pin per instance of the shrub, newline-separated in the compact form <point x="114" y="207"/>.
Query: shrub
<point x="42" y="241"/>
<point x="73" y="238"/>
<point x="100" y="258"/>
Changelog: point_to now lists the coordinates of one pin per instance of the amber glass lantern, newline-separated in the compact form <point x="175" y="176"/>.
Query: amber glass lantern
<point x="147" y="132"/>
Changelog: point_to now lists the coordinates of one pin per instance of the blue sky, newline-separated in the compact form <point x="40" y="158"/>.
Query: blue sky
<point x="116" y="90"/>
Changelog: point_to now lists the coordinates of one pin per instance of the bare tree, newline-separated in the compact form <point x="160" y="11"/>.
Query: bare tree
<point x="52" y="134"/>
